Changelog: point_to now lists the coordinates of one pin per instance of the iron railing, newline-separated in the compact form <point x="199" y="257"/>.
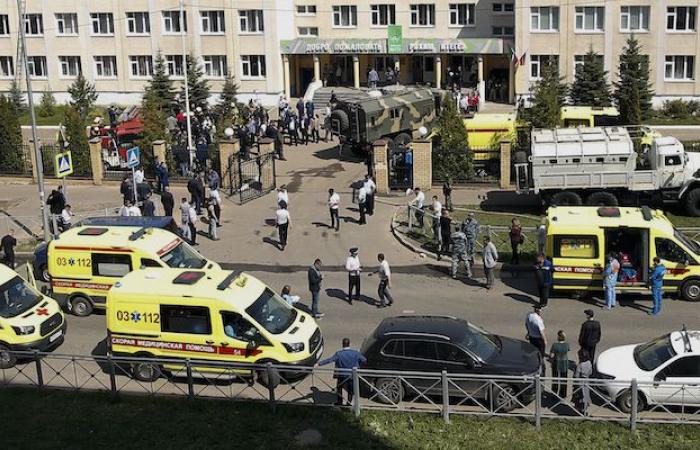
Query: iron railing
<point x="531" y="397"/>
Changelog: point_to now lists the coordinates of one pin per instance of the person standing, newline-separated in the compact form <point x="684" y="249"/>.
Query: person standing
<point x="292" y="130"/>
<point x="215" y="196"/>
<point x="362" y="204"/>
<point x="139" y="175"/>
<point x="373" y="78"/>
<point x="610" y="274"/>
<point x="459" y="253"/>
<point x="535" y="330"/>
<point x="133" y="210"/>
<point x="8" y="244"/>
<point x="470" y="227"/>
<point x="353" y="267"/>
<point x="300" y="108"/>
<point x="185" y="219"/>
<point x="542" y="236"/>
<point x="213" y="220"/>
<point x="345" y="360"/>
<point x="418" y="202"/>
<point x="66" y="218"/>
<point x="333" y="207"/>
<point x="656" y="279"/>
<point x="191" y="223"/>
<point x="315" y="277"/>
<point x="516" y="239"/>
<point x="149" y="209"/>
<point x="167" y="200"/>
<point x="559" y="355"/>
<point x="590" y="334"/>
<point x="283" y="221"/>
<point x="384" y="273"/>
<point x="447" y="192"/>
<point x="57" y="201"/>
<point x="371" y="188"/>
<point x="436" y="212"/>
<point x="445" y="227"/>
<point x="584" y="370"/>
<point x="490" y="256"/>
<point x="543" y="278"/>
<point x="282" y="195"/>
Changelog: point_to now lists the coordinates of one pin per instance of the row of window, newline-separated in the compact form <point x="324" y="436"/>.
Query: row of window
<point x="632" y="18"/>
<point x="138" y="23"/>
<point x="422" y="14"/>
<point x="676" y="68"/>
<point x="141" y="66"/>
<point x="495" y="31"/>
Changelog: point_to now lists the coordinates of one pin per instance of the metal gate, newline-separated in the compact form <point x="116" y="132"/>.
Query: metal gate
<point x="252" y="177"/>
<point x="400" y="168"/>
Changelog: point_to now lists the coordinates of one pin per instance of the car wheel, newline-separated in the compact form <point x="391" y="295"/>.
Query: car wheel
<point x="390" y="391"/>
<point x="504" y="398"/>
<point x="624" y="401"/>
<point x="81" y="306"/>
<point x="269" y="379"/>
<point x="691" y="290"/>
<point x="146" y="371"/>
<point x="7" y="358"/>
<point x="44" y="270"/>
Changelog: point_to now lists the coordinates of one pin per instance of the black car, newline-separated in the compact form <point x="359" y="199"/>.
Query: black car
<point x="437" y="343"/>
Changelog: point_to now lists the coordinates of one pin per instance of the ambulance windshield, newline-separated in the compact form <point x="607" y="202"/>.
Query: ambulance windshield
<point x="184" y="257"/>
<point x="272" y="313"/>
<point x="16" y="297"/>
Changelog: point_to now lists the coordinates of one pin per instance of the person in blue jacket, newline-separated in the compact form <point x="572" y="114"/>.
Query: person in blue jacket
<point x="656" y="280"/>
<point x="347" y="359"/>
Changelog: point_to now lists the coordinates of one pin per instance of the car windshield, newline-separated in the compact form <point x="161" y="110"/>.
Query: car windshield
<point x="480" y="342"/>
<point x="271" y="312"/>
<point x="16" y="297"/>
<point x="691" y="244"/>
<point x="651" y="355"/>
<point x="184" y="257"/>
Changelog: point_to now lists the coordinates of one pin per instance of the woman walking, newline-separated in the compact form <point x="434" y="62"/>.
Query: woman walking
<point x="559" y="356"/>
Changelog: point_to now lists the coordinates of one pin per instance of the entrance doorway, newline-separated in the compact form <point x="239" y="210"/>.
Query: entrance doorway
<point x="424" y="69"/>
<point x="400" y="168"/>
<point x="341" y="70"/>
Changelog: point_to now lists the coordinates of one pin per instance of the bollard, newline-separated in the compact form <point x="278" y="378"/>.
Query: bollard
<point x="538" y="402"/>
<point x="445" y="397"/>
<point x="270" y="387"/>
<point x="39" y="373"/>
<point x="635" y="404"/>
<point x="112" y="376"/>
<point x="190" y="383"/>
<point x="355" y="392"/>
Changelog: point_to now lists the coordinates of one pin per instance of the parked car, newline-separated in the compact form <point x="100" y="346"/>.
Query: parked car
<point x="660" y="367"/>
<point x="437" y="343"/>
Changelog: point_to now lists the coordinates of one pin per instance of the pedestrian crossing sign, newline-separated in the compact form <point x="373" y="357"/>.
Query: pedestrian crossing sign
<point x="133" y="157"/>
<point x="63" y="164"/>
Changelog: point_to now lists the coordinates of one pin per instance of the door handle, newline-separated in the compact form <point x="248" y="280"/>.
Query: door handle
<point x="209" y="342"/>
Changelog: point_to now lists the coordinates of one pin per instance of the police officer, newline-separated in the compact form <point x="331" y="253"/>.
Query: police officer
<point x="459" y="252"/>
<point x="346" y="360"/>
<point x="470" y="228"/>
<point x="353" y="267"/>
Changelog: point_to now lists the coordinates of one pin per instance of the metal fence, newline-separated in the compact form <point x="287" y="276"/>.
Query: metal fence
<point x="32" y="225"/>
<point x="530" y="397"/>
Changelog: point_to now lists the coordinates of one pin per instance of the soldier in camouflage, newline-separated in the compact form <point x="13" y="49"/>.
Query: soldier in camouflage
<point x="470" y="227"/>
<point x="459" y="252"/>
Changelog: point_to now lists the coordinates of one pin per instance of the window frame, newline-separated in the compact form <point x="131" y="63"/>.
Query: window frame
<point x="172" y="60"/>
<point x="214" y="20"/>
<point x="337" y="16"/>
<point x="415" y="9"/>
<point x="686" y="69"/>
<point x="66" y="63"/>
<point x="136" y="17"/>
<point x="98" y="61"/>
<point x="580" y="12"/>
<point x="376" y="11"/>
<point x="95" y="263"/>
<point x="168" y="22"/>
<point x="583" y="61"/>
<point x="28" y="24"/>
<point x="10" y="65"/>
<point x="645" y="14"/>
<point x="502" y="8"/>
<point x="556" y="245"/>
<point x="306" y="12"/>
<point x="31" y="67"/>
<point x="135" y="62"/>
<point x="222" y="64"/>
<point x="61" y="21"/>
<point x="5" y="25"/>
<point x="251" y="17"/>
<point x="165" y="317"/>
<point x="96" y="20"/>
<point x="262" y="68"/>
<point x="300" y="34"/>
<point x="503" y="31"/>
<point x="540" y="64"/>
<point x="672" y="12"/>
<point x="552" y="13"/>
<point x="455" y="13"/>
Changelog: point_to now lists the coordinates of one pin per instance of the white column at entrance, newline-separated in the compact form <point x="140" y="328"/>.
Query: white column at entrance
<point x="287" y="79"/>
<point x="317" y="68"/>
<point x="356" y="70"/>
<point x="481" y="84"/>
<point x="438" y="72"/>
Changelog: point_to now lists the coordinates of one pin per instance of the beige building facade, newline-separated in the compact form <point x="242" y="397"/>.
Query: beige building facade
<point x="566" y="29"/>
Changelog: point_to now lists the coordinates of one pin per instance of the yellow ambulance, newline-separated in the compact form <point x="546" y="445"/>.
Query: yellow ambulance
<point x="84" y="262"/>
<point x="579" y="238"/>
<point x="28" y="320"/>
<point x="485" y="131"/>
<point x="207" y="317"/>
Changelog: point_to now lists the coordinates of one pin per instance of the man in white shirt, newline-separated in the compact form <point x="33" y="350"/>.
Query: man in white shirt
<point x="535" y="330"/>
<point x="66" y="217"/>
<point x="418" y="202"/>
<point x="191" y="221"/>
<point x="283" y="221"/>
<point x="384" y="273"/>
<point x="362" y="204"/>
<point x="215" y="195"/>
<point x="353" y="266"/>
<point x="282" y="195"/>
<point x="138" y="176"/>
<point x="371" y="188"/>
<point x="124" y="210"/>
<point x="436" y="209"/>
<point x="133" y="211"/>
<point x="334" y="206"/>
<point x="185" y="219"/>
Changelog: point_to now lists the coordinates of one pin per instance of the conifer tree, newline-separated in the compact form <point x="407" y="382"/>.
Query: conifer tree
<point x="633" y="91"/>
<point x="590" y="86"/>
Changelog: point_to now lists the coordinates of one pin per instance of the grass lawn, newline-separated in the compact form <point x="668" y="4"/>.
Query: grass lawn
<point x="51" y="419"/>
<point x="57" y="117"/>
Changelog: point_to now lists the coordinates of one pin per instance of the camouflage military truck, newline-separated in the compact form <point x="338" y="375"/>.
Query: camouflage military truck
<point x="394" y="116"/>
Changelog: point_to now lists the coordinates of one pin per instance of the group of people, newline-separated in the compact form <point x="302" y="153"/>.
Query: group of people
<point x="61" y="212"/>
<point x="301" y="123"/>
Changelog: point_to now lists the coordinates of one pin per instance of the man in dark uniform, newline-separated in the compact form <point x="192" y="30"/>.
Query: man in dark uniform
<point x="166" y="198"/>
<point x="346" y="360"/>
<point x="589" y="336"/>
<point x="8" y="244"/>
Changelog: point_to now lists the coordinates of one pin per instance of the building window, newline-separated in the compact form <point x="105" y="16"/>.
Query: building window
<point x="307" y="31"/>
<point x="66" y="24"/>
<point x="176" y="65"/>
<point x="213" y="22"/>
<point x="37" y="66"/>
<point x="345" y="16"/>
<point x="383" y="15"/>
<point x="579" y="61"/>
<point x="634" y="18"/>
<point x="461" y="14"/>
<point x="173" y="23"/>
<point x="102" y="23"/>
<point x="33" y="24"/>
<point x="680" y="18"/>
<point x="70" y="66"/>
<point x="252" y="20"/>
<point x="215" y="66"/>
<point x="503" y="31"/>
<point x="7" y="68"/>
<point x="680" y="68"/>
<point x="503" y="8"/>
<point x="538" y="63"/>
<point x="138" y="23"/>
<point x="105" y="67"/>
<point x="544" y="18"/>
<point x="141" y="66"/>
<point x="306" y="10"/>
<point x="4" y="25"/>
<point x="423" y="15"/>
<point x="253" y="66"/>
<point x="590" y="18"/>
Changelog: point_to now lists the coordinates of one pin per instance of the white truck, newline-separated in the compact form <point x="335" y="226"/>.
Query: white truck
<point x="599" y="166"/>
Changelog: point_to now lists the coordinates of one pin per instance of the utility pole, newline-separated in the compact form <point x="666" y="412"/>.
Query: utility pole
<point x="190" y="148"/>
<point x="30" y="99"/>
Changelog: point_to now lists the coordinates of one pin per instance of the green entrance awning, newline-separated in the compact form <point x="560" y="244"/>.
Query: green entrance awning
<point x="467" y="46"/>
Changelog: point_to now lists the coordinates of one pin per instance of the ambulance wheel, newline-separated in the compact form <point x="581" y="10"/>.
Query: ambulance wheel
<point x="691" y="290"/>
<point x="146" y="371"/>
<point x="7" y="358"/>
<point x="602" y="199"/>
<point x="269" y="379"/>
<point x="566" y="198"/>
<point x="81" y="306"/>
<point x="692" y="202"/>
<point x="44" y="273"/>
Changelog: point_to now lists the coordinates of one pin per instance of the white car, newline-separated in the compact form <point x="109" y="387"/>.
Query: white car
<point x="667" y="370"/>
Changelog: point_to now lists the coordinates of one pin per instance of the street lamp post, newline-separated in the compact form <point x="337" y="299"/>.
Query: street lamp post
<point x="190" y="148"/>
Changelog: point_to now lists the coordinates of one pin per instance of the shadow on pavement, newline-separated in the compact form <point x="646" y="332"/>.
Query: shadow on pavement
<point x="272" y="242"/>
<point x="342" y="295"/>
<point x="522" y="298"/>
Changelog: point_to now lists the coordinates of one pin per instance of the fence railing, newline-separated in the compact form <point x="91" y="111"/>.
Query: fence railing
<point x="532" y="397"/>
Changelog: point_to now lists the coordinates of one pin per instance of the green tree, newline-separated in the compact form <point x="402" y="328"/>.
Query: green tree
<point x="590" y="86"/>
<point x="161" y="84"/>
<point x="548" y="98"/>
<point x="16" y="96"/>
<point x="83" y="95"/>
<point x="228" y="109"/>
<point x="452" y="159"/>
<point x="77" y="140"/>
<point x="198" y="86"/>
<point x="47" y="106"/>
<point x="155" y="127"/>
<point x="11" y="152"/>
<point x="633" y="91"/>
